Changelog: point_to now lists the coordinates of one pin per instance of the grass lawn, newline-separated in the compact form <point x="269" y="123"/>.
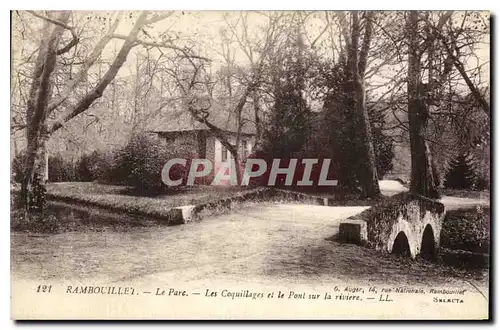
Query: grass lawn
<point x="186" y="195"/>
<point x="77" y="205"/>
<point x="485" y="194"/>
<point x="117" y="197"/>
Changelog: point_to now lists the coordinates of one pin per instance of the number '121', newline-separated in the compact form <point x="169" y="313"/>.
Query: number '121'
<point x="44" y="288"/>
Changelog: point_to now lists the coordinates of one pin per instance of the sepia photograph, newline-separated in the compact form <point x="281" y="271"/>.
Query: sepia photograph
<point x="250" y="165"/>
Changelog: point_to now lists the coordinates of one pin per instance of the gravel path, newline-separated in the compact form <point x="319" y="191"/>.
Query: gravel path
<point x="269" y="243"/>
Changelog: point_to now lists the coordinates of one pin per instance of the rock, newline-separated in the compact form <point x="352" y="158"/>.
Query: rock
<point x="180" y="215"/>
<point x="188" y="213"/>
<point x="353" y="231"/>
<point x="173" y="217"/>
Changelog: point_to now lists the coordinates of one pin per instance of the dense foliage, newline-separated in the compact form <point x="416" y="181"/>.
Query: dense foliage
<point x="338" y="131"/>
<point x="467" y="229"/>
<point x="461" y="172"/>
<point x="140" y="162"/>
<point x="138" y="165"/>
<point x="289" y="125"/>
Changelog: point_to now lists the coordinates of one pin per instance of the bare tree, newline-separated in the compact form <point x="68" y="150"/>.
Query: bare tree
<point x="198" y="89"/>
<point x="460" y="38"/>
<point x="41" y="105"/>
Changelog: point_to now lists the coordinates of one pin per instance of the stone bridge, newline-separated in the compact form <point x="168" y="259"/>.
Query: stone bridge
<point x="405" y="224"/>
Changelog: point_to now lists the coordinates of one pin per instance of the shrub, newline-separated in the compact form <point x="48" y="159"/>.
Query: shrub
<point x="84" y="168"/>
<point x="61" y="170"/>
<point x="384" y="152"/>
<point x="96" y="166"/>
<point x="40" y="223"/>
<point x="460" y="173"/>
<point x="140" y="162"/>
<point x="482" y="183"/>
<point x="17" y="167"/>
<point x="467" y="229"/>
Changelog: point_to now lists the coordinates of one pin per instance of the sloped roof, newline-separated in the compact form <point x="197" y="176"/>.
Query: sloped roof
<point x="221" y="114"/>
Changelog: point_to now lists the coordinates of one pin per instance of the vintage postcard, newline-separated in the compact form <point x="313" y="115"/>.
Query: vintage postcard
<point x="220" y="165"/>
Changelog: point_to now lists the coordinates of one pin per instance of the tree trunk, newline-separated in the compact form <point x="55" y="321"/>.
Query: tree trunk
<point x="357" y="63"/>
<point x="422" y="181"/>
<point x="368" y="169"/>
<point x="38" y="107"/>
<point x="36" y="114"/>
<point x="45" y="163"/>
<point x="258" y="123"/>
<point x="237" y="168"/>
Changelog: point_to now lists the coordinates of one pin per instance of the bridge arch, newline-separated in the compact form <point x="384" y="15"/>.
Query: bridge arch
<point x="401" y="246"/>
<point x="404" y="220"/>
<point x="428" y="245"/>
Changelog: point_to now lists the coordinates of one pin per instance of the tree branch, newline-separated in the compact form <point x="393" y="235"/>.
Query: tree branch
<point x="365" y="47"/>
<point x="184" y="51"/>
<point x="158" y="18"/>
<point x="71" y="85"/>
<point x="343" y="27"/>
<point x="88" y="99"/>
<point x="51" y="20"/>
<point x="74" y="41"/>
<point x="461" y="69"/>
<point x="320" y="35"/>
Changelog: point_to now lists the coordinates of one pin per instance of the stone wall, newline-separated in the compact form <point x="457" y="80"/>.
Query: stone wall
<point x="405" y="213"/>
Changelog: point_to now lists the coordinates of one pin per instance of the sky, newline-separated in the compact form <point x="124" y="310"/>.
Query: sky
<point x="203" y="29"/>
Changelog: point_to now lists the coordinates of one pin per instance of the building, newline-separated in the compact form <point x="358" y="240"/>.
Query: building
<point x="181" y="129"/>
